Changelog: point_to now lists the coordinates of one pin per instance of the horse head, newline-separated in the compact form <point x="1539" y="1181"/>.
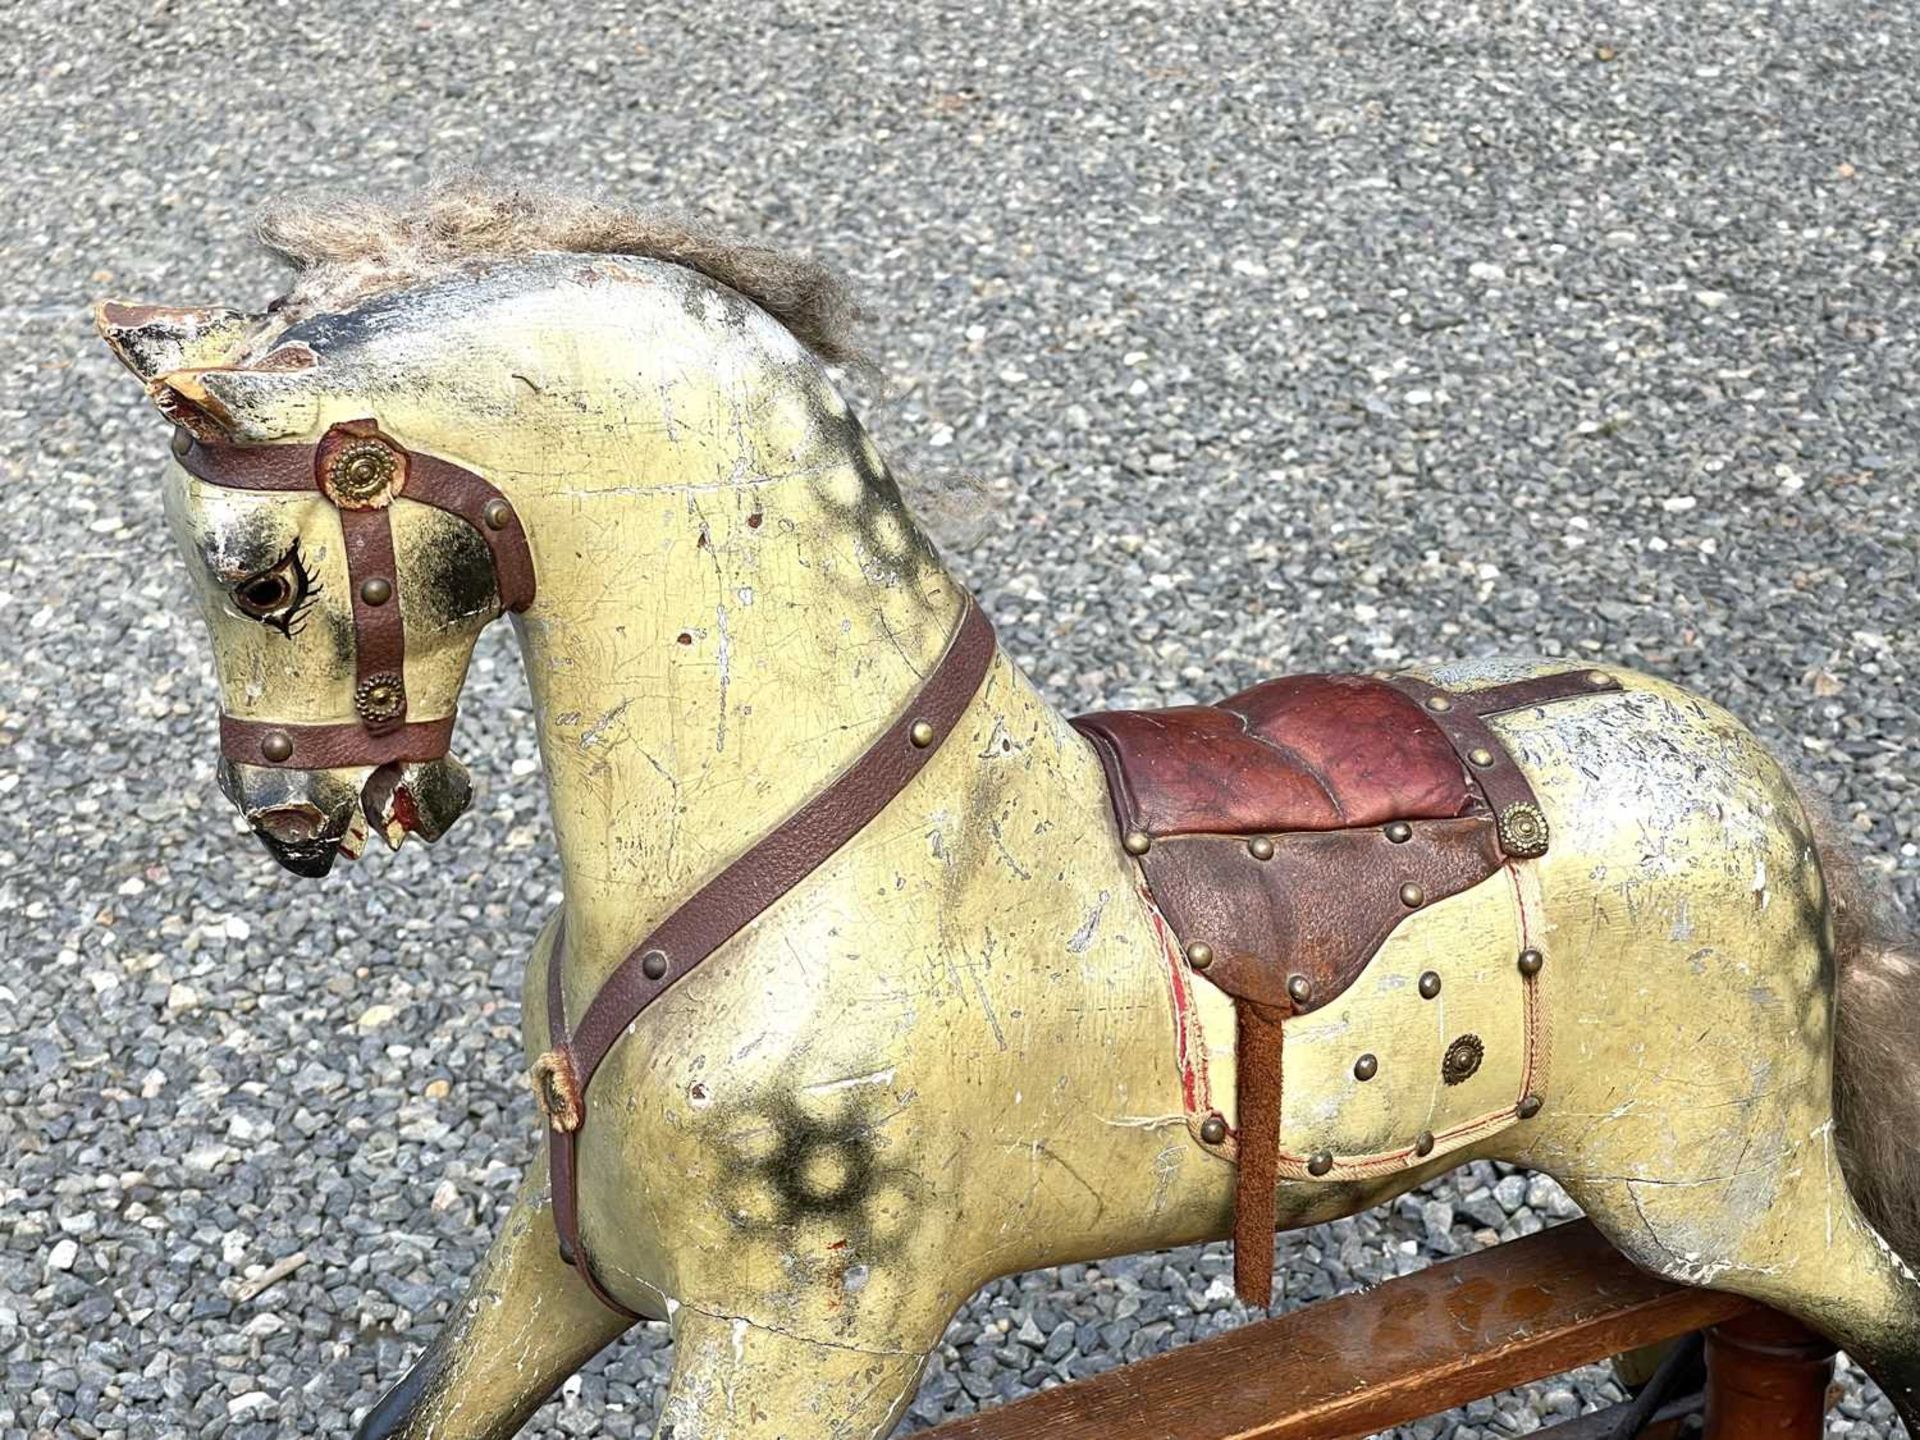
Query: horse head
<point x="368" y="473"/>
<point x="343" y="575"/>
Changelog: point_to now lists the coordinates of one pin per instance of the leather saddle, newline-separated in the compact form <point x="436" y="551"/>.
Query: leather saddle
<point x="1286" y="831"/>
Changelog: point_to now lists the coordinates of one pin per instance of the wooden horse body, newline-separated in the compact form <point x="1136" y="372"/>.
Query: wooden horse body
<point x="968" y="1042"/>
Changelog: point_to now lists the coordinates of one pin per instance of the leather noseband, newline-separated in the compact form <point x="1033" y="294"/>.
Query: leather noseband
<point x="361" y="472"/>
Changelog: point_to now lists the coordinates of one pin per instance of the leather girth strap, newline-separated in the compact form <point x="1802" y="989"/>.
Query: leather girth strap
<point x="1257" y="1091"/>
<point x="727" y="903"/>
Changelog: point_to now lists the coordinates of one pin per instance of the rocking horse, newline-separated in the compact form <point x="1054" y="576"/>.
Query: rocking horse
<point x="877" y="978"/>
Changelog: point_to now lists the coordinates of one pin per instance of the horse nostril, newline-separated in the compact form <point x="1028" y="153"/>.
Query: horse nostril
<point x="290" y="824"/>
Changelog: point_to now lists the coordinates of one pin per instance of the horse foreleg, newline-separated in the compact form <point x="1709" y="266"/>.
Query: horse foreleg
<point x="734" y="1379"/>
<point x="527" y="1322"/>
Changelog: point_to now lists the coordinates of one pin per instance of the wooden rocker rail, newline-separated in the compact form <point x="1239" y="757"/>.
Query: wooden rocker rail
<point x="1357" y="1364"/>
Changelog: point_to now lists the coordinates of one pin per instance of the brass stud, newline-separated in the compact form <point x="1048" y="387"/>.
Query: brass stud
<point x="1199" y="954"/>
<point x="653" y="965"/>
<point x="1399" y="832"/>
<point x="1366" y="1067"/>
<point x="1439" y="704"/>
<point x="1412" y="896"/>
<point x="1137" y="842"/>
<point x="381" y="699"/>
<point x="1320" y="1164"/>
<point x="1529" y="1107"/>
<point x="498" y="514"/>
<point x="1462" y="1059"/>
<point x="1531" y="960"/>
<point x="277" y="746"/>
<point x="1599" y="677"/>
<point x="921" y="734"/>
<point x="182" y="440"/>
<point x="1429" y="984"/>
<point x="1299" y="989"/>
<point x="1213" y="1129"/>
<point x="1260" y="847"/>
<point x="1480" y="756"/>
<point x="1423" y="1143"/>
<point x="376" y="591"/>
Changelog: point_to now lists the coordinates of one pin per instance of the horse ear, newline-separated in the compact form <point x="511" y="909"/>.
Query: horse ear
<point x="253" y="404"/>
<point x="151" y="340"/>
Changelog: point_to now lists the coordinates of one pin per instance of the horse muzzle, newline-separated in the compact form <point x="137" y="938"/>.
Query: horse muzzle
<point x="308" y="819"/>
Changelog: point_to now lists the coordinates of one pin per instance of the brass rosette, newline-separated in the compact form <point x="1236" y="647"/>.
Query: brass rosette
<point x="363" y="475"/>
<point x="1462" y="1059"/>
<point x="1523" y="830"/>
<point x="380" y="699"/>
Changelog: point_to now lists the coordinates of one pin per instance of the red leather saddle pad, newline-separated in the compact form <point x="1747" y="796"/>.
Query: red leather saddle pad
<point x="1310" y="752"/>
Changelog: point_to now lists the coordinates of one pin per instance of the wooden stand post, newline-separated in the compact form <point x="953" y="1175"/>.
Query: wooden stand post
<point x="1766" y="1376"/>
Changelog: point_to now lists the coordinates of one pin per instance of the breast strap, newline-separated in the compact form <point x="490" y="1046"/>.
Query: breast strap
<point x="727" y="903"/>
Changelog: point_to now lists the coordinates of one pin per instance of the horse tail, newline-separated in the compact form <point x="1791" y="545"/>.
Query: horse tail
<point x="1876" y="1057"/>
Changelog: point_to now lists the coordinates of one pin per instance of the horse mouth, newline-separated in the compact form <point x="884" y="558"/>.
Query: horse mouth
<point x="305" y="840"/>
<point x="308" y="820"/>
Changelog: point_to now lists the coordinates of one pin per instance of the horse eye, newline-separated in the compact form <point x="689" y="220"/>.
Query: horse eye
<point x="280" y="594"/>
<point x="264" y="593"/>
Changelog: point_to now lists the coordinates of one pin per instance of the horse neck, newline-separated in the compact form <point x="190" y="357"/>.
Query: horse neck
<point x="704" y="660"/>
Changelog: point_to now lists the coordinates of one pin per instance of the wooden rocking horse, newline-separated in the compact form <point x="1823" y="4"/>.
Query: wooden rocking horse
<point x="877" y="978"/>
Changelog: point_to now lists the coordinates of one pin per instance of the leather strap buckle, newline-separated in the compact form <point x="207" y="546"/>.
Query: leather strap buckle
<point x="556" y="1089"/>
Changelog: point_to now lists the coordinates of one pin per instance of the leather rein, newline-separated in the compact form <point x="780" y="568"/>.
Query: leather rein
<point x="361" y="472"/>
<point x="726" y="904"/>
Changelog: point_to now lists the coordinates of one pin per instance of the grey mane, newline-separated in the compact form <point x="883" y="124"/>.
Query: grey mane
<point x="351" y="249"/>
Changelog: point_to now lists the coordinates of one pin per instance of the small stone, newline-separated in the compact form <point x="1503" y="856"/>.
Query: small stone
<point x="1059" y="1342"/>
<point x="248" y="1129"/>
<point x="1511" y="1192"/>
<point x="210" y="1157"/>
<point x="374" y="1016"/>
<point x="251" y="1403"/>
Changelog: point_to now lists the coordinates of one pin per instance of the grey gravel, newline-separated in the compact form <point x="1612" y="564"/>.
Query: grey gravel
<point x="1279" y="337"/>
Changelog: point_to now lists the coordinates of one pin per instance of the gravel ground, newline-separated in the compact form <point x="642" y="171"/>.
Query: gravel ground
<point x="1320" y="336"/>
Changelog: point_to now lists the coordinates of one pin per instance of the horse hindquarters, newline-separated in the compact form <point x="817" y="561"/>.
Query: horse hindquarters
<point x="1690" y="1008"/>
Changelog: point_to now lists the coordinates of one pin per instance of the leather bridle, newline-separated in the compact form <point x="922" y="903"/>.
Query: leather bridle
<point x="361" y="472"/>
